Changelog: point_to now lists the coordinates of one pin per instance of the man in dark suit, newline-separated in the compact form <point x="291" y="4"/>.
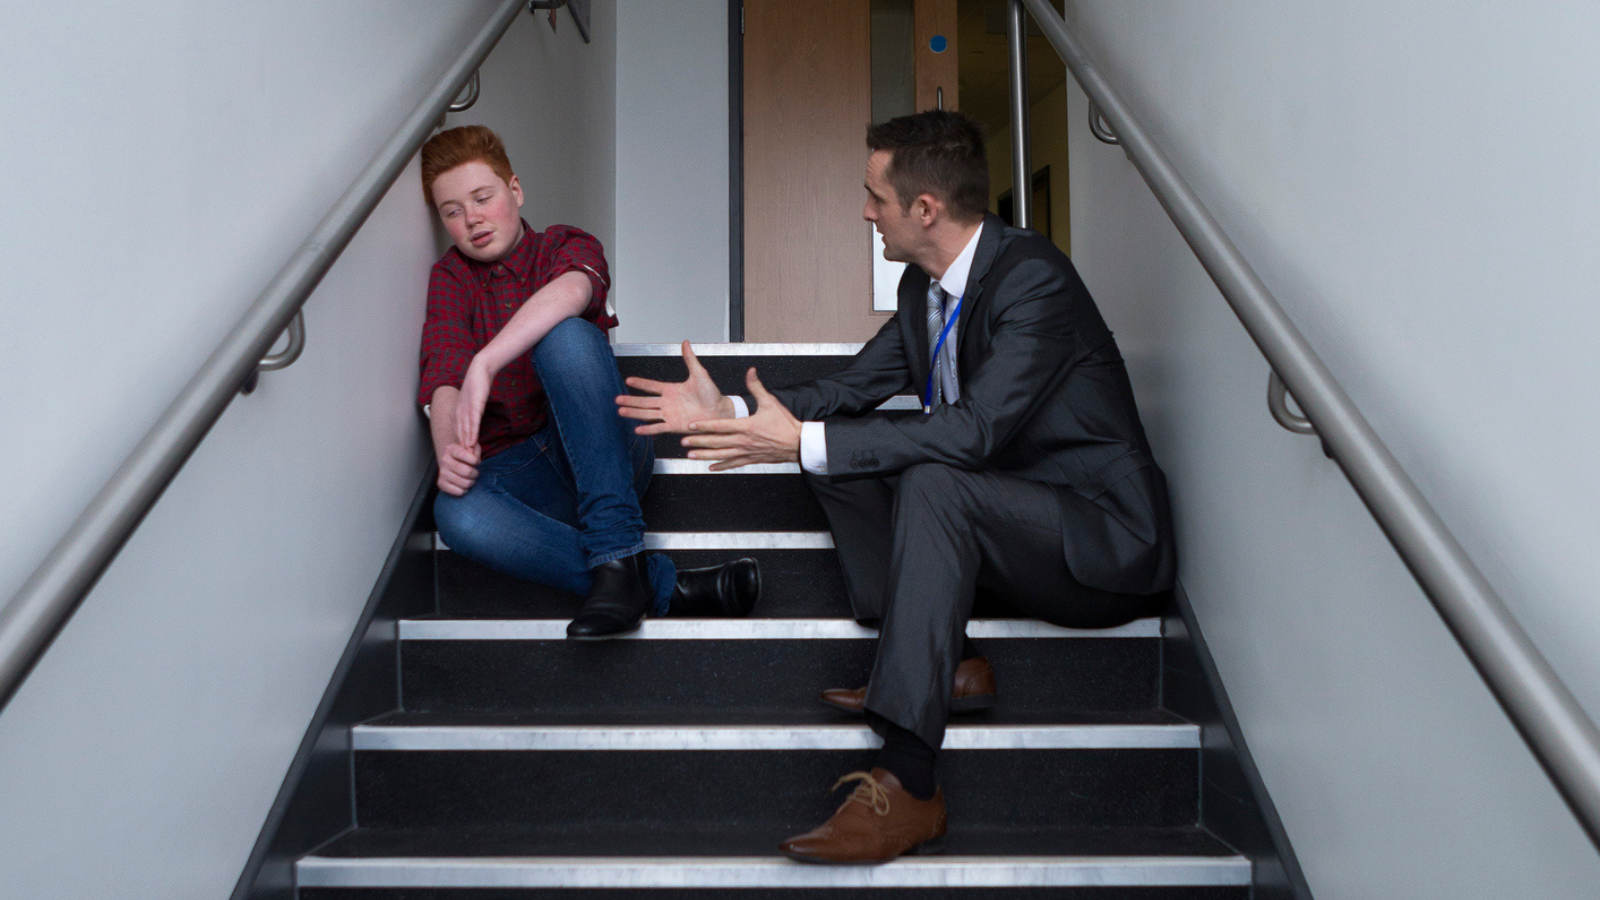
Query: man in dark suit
<point x="1027" y="474"/>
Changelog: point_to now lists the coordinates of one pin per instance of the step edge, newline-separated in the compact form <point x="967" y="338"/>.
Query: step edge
<point x="752" y="630"/>
<point x="724" y="348"/>
<point x="683" y="738"/>
<point x="721" y="540"/>
<point x="771" y="872"/>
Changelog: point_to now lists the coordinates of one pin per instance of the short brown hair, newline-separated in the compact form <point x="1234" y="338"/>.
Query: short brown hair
<point x="459" y="146"/>
<point x="936" y="152"/>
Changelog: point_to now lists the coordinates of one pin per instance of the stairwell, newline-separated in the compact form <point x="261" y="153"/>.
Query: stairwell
<point x="670" y="764"/>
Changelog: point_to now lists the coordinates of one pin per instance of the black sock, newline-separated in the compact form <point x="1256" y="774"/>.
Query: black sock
<point x="909" y="758"/>
<point x="969" y="650"/>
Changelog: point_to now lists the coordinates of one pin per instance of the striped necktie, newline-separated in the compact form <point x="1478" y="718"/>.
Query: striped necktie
<point x="944" y="368"/>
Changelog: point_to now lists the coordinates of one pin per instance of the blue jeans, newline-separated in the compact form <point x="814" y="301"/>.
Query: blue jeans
<point x="566" y="499"/>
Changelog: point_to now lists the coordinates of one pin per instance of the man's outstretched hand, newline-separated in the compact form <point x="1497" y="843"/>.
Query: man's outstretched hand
<point x="771" y="434"/>
<point x="673" y="407"/>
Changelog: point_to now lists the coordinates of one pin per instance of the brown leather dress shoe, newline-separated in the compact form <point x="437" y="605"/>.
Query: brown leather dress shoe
<point x="878" y="822"/>
<point x="974" y="690"/>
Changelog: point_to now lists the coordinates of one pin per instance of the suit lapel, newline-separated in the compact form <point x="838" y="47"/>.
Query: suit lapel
<point x="914" y="311"/>
<point x="983" y="258"/>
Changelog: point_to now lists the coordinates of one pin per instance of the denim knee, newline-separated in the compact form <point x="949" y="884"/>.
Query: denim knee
<point x="458" y="525"/>
<point x="573" y="342"/>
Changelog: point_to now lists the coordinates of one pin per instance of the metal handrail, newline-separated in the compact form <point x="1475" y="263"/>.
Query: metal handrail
<point x="1563" y="738"/>
<point x="283" y="359"/>
<point x="471" y="98"/>
<point x="1021" y="140"/>
<point x="31" y="620"/>
<point x="1278" y="405"/>
<point x="1099" y="127"/>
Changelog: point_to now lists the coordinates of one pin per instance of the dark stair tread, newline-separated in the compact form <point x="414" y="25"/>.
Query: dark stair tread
<point x="795" y="584"/>
<point x="813" y="713"/>
<point x="729" y="371"/>
<point x="652" y="842"/>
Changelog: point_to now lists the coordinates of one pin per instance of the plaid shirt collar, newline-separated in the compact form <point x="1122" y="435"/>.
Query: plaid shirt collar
<point x="520" y="260"/>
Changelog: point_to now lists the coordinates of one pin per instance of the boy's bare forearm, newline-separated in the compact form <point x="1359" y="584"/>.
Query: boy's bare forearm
<point x="442" y="418"/>
<point x="564" y="297"/>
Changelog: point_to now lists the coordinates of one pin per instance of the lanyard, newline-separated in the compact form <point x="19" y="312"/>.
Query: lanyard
<point x="933" y="364"/>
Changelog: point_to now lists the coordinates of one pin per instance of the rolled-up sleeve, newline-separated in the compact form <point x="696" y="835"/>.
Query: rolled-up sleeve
<point x="574" y="250"/>
<point x="447" y="345"/>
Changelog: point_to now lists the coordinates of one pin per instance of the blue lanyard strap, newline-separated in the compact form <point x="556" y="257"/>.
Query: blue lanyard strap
<point x="933" y="363"/>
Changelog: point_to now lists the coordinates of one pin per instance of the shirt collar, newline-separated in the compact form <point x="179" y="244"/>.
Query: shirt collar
<point x="954" y="281"/>
<point x="521" y="258"/>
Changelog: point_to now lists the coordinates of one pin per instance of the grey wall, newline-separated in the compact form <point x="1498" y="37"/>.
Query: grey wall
<point x="1382" y="169"/>
<point x="551" y="98"/>
<point x="671" y="255"/>
<point x="165" y="158"/>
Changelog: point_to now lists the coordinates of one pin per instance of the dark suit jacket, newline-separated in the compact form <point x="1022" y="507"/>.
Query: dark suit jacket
<point x="1044" y="396"/>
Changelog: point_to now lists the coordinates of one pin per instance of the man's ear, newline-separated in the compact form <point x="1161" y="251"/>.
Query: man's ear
<point x="928" y="209"/>
<point x="516" y="190"/>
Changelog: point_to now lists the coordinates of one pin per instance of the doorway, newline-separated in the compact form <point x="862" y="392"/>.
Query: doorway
<point x="805" y="80"/>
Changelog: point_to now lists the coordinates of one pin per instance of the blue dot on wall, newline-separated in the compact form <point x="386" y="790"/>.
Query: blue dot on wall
<point x="938" y="43"/>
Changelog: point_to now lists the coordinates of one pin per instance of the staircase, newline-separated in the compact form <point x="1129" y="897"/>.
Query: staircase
<point x="671" y="763"/>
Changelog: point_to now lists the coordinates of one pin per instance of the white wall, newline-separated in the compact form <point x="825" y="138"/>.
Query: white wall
<point x="1416" y="186"/>
<point x="166" y="158"/>
<point x="551" y="98"/>
<point x="671" y="253"/>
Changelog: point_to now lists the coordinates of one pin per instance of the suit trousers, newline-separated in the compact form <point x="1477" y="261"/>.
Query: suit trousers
<point x="915" y="550"/>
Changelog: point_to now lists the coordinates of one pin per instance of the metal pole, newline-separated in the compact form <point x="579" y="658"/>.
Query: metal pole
<point x="31" y="620"/>
<point x="1021" y="149"/>
<point x="1561" y="735"/>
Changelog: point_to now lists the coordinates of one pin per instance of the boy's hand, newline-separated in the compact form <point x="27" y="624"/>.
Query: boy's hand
<point x="474" y="397"/>
<point x="458" y="468"/>
<point x="771" y="434"/>
<point x="675" y="406"/>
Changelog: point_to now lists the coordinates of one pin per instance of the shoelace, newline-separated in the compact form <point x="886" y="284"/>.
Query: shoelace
<point x="869" y="792"/>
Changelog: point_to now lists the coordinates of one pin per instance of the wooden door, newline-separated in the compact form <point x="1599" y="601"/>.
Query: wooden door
<point x="807" y="103"/>
<point x="807" y="99"/>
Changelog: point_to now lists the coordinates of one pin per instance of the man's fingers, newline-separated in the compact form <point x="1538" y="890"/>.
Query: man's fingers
<point x="699" y="441"/>
<point x="692" y="361"/>
<point x="722" y="453"/>
<point x="645" y="384"/>
<point x="720" y="426"/>
<point x="757" y="389"/>
<point x="637" y="401"/>
<point x="648" y="415"/>
<point x="653" y="429"/>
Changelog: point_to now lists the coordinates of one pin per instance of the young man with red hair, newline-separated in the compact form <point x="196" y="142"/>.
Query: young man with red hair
<point x="538" y="477"/>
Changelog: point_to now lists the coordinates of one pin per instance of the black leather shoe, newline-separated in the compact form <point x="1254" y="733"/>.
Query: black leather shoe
<point x="726" y="591"/>
<point x="618" y="597"/>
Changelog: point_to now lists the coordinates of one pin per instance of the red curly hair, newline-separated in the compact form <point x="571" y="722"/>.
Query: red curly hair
<point x="459" y="146"/>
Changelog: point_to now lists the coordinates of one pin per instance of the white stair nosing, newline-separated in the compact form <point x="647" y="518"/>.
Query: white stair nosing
<point x="727" y="349"/>
<point x="722" y="540"/>
<point x="773" y="872"/>
<point x="745" y="630"/>
<point x="1176" y="736"/>
<point x="703" y="467"/>
<point x="738" y="540"/>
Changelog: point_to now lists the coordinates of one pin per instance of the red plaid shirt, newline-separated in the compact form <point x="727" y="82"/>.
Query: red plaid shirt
<point x="470" y="301"/>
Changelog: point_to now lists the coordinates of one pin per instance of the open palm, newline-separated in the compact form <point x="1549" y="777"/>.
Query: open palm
<point x="670" y="407"/>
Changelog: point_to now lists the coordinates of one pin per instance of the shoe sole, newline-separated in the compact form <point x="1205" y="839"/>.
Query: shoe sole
<point x="926" y="848"/>
<point x="602" y="637"/>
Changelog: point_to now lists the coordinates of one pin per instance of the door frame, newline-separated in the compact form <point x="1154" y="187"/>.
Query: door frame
<point x="736" y="171"/>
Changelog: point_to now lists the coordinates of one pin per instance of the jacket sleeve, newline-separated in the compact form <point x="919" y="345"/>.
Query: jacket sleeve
<point x="876" y="373"/>
<point x="1033" y="345"/>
